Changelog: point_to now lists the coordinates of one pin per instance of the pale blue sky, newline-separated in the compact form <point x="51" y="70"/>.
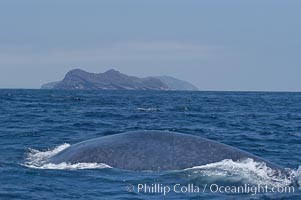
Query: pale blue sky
<point x="216" y="45"/>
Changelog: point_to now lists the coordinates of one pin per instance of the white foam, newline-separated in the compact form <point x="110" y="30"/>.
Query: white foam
<point x="148" y="109"/>
<point x="247" y="170"/>
<point x="39" y="160"/>
<point x="297" y="176"/>
<point x="69" y="166"/>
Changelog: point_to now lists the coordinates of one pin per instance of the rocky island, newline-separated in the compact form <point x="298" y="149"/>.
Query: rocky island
<point x="78" y="79"/>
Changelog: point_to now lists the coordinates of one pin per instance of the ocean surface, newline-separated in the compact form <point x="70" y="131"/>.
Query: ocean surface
<point x="37" y="124"/>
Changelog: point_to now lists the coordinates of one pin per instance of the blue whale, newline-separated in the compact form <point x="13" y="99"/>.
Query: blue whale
<point x="152" y="150"/>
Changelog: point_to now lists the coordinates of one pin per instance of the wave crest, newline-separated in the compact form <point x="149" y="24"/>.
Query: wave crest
<point x="148" y="109"/>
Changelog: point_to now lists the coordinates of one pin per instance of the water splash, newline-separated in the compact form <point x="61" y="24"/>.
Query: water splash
<point x="247" y="171"/>
<point x="297" y="176"/>
<point x="39" y="160"/>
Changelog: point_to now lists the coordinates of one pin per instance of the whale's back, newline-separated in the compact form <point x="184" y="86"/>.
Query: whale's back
<point x="152" y="150"/>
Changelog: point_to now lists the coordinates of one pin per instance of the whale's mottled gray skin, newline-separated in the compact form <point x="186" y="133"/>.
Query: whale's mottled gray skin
<point x="152" y="150"/>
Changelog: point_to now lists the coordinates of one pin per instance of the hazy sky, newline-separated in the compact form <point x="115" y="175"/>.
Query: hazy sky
<point x="216" y="45"/>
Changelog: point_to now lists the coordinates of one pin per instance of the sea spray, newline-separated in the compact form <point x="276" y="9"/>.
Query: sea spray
<point x="39" y="160"/>
<point x="247" y="171"/>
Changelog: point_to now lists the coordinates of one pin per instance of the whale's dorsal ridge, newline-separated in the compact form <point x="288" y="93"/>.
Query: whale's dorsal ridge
<point x="152" y="150"/>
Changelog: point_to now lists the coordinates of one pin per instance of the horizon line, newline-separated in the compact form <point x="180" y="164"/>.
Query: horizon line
<point x="259" y="91"/>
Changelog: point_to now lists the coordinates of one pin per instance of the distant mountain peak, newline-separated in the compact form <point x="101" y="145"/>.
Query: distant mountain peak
<point x="76" y="71"/>
<point x="115" y="80"/>
<point x="112" y="71"/>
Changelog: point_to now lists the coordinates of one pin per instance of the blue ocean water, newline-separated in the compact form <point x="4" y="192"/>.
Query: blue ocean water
<point x="36" y="124"/>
